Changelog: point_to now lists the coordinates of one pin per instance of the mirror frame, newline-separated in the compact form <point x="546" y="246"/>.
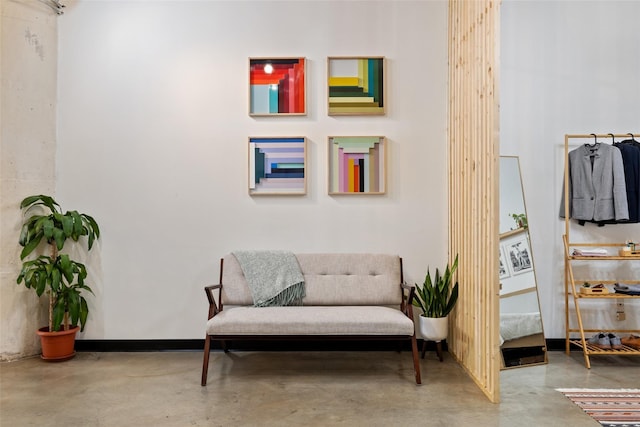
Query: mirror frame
<point x="532" y="351"/>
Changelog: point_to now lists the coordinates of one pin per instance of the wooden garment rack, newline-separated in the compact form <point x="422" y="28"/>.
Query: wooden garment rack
<point x="570" y="288"/>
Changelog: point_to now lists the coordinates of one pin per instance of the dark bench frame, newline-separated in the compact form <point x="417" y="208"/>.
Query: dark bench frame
<point x="408" y="293"/>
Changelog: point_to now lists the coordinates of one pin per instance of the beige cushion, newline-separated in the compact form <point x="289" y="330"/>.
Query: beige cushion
<point x="310" y="320"/>
<point x="330" y="279"/>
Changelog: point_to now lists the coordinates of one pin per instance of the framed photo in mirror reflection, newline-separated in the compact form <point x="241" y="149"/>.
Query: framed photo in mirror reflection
<point x="503" y="268"/>
<point x="519" y="256"/>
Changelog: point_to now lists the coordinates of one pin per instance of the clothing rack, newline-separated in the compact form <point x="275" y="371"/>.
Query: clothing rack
<point x="595" y="136"/>
<point x="570" y="287"/>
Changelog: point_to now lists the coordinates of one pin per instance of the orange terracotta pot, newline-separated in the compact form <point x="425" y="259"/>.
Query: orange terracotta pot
<point x="58" y="346"/>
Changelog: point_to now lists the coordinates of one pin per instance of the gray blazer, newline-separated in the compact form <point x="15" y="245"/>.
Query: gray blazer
<point x="598" y="193"/>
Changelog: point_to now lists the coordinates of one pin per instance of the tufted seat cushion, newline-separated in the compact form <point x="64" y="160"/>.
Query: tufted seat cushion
<point x="310" y="320"/>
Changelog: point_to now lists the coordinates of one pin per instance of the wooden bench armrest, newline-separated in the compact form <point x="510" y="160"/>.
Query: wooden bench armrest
<point x="213" y="307"/>
<point x="407" y="300"/>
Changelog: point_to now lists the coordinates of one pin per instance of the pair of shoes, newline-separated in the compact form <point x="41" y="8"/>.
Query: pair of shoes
<point x="632" y="341"/>
<point x="606" y="341"/>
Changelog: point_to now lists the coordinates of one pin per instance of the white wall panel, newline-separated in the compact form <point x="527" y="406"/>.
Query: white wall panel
<point x="152" y="140"/>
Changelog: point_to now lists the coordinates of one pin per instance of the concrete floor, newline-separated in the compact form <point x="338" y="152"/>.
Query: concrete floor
<point x="294" y="389"/>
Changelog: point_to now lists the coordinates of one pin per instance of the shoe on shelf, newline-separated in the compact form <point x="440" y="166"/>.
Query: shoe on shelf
<point x="615" y="341"/>
<point x="632" y="341"/>
<point x="601" y="341"/>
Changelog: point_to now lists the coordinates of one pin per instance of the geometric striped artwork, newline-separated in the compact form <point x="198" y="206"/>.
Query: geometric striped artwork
<point x="277" y="165"/>
<point x="356" y="86"/>
<point x="357" y="164"/>
<point x="277" y="86"/>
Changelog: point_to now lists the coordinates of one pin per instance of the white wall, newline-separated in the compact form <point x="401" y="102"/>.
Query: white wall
<point x="567" y="67"/>
<point x="28" y="59"/>
<point x="152" y="140"/>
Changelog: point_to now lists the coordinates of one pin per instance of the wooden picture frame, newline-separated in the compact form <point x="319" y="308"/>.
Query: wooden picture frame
<point x="356" y="86"/>
<point x="277" y="165"/>
<point x="277" y="87"/>
<point x="357" y="165"/>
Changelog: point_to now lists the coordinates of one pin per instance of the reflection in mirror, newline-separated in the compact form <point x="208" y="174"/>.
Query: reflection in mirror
<point x="522" y="340"/>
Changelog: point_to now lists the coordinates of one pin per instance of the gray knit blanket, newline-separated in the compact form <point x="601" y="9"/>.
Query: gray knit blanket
<point x="274" y="277"/>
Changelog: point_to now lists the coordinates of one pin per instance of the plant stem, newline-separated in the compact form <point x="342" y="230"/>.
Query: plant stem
<point x="54" y="256"/>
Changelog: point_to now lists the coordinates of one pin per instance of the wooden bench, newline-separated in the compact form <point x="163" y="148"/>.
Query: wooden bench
<point x="348" y="297"/>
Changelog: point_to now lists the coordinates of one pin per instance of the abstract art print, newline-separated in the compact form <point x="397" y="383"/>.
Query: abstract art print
<point x="277" y="166"/>
<point x="519" y="256"/>
<point x="356" y="86"/>
<point x="277" y="86"/>
<point x="357" y="164"/>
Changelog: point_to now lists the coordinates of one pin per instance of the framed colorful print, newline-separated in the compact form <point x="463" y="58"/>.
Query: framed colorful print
<point x="277" y="166"/>
<point x="357" y="164"/>
<point x="356" y="86"/>
<point x="519" y="256"/>
<point x="277" y="86"/>
<point x="504" y="270"/>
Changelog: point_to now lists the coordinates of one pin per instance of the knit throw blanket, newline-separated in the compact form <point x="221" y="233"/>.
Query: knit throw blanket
<point x="274" y="277"/>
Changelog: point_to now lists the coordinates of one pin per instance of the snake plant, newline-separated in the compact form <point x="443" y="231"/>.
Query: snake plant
<point x="437" y="297"/>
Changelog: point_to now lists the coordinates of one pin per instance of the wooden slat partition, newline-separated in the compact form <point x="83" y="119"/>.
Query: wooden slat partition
<point x="474" y="187"/>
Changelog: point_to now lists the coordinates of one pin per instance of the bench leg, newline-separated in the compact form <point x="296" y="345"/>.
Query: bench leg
<point x="416" y="360"/>
<point x="205" y="363"/>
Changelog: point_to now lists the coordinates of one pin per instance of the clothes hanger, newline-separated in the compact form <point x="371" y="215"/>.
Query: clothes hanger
<point x="595" y="143"/>
<point x="613" y="139"/>
<point x="630" y="141"/>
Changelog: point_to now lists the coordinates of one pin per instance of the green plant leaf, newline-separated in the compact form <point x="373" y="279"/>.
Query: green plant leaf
<point x="78" y="227"/>
<point x="93" y="229"/>
<point x="32" y="201"/>
<point x="58" y="314"/>
<point x="59" y="238"/>
<point x="73" y="305"/>
<point x="48" y="228"/>
<point x="67" y="225"/>
<point x="66" y="267"/>
<point x="31" y="245"/>
<point x="84" y="312"/>
<point x="56" y="278"/>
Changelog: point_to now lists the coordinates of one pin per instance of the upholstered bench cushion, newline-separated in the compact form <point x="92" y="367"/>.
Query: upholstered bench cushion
<point x="310" y="320"/>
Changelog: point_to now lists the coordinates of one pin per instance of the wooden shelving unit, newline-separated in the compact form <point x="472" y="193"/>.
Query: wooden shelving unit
<point x="571" y="289"/>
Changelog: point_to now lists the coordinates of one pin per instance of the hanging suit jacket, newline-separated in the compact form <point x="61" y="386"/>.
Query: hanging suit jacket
<point x="631" y="161"/>
<point x="596" y="192"/>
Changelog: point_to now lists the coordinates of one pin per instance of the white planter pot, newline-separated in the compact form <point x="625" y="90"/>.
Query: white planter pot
<point x="434" y="328"/>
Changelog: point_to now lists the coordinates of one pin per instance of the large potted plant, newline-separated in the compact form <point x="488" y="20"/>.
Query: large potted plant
<point x="436" y="298"/>
<point x="56" y="274"/>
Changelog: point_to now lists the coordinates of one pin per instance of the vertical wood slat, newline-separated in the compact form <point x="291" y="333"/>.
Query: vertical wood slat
<point x="474" y="187"/>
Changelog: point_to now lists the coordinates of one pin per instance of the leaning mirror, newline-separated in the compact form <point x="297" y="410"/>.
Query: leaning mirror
<point x="522" y="340"/>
